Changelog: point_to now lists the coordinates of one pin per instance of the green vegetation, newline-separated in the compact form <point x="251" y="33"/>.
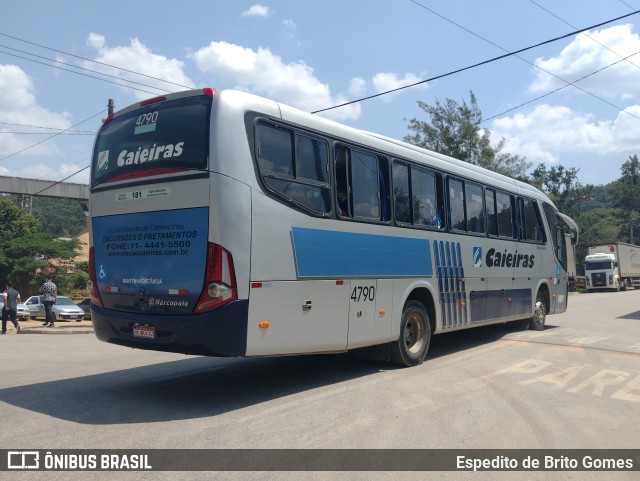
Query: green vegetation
<point x="30" y="247"/>
<point x="604" y="213"/>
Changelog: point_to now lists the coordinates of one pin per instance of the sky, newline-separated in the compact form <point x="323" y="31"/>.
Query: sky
<point x="574" y="102"/>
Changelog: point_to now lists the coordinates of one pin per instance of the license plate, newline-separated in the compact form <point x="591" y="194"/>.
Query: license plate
<point x="146" y="332"/>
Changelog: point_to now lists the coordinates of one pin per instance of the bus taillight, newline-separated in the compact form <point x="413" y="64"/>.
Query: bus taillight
<point x="220" y="280"/>
<point x="153" y="100"/>
<point x="94" y="293"/>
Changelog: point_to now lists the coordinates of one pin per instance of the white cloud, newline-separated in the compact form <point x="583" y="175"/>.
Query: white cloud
<point x="257" y="10"/>
<point x="263" y="73"/>
<point x="21" y="107"/>
<point x="547" y="132"/>
<point x="49" y="172"/>
<point x="137" y="57"/>
<point x="357" y="86"/>
<point x="289" y="24"/>
<point x="584" y="56"/>
<point x="385" y="81"/>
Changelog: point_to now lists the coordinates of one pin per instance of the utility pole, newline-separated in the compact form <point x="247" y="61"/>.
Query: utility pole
<point x="110" y="109"/>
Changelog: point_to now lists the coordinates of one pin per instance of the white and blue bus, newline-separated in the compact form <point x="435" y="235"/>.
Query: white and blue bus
<point x="226" y="224"/>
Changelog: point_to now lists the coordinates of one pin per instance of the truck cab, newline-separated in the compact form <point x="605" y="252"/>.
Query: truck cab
<point x="601" y="272"/>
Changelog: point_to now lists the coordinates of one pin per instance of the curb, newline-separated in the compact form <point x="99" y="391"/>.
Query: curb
<point x="55" y="330"/>
<point x="35" y="327"/>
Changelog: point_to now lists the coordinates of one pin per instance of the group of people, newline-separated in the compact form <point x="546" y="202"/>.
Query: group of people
<point x="11" y="299"/>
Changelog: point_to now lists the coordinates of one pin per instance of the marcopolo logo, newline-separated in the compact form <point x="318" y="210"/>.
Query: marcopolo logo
<point x="477" y="257"/>
<point x="103" y="160"/>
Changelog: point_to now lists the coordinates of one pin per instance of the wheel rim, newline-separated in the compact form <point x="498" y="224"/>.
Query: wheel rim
<point x="539" y="314"/>
<point x="414" y="333"/>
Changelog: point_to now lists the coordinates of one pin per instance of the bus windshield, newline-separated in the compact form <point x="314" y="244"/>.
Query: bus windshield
<point x="169" y="134"/>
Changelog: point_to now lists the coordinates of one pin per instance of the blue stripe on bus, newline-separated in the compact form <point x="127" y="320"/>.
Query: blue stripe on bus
<point x="323" y="253"/>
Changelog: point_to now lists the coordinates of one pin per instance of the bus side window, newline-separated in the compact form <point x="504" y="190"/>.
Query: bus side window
<point x="424" y="201"/>
<point x="492" y="219"/>
<point x="299" y="176"/>
<point x="343" y="206"/>
<point x="532" y="230"/>
<point x="312" y="159"/>
<point x="475" y="208"/>
<point x="401" y="199"/>
<point x="384" y="189"/>
<point x="505" y="213"/>
<point x="275" y="150"/>
<point x="365" y="185"/>
<point x="457" y="220"/>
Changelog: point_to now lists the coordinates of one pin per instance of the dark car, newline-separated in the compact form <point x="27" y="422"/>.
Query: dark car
<point x="85" y="305"/>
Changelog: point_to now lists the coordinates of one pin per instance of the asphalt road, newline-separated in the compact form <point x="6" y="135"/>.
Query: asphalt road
<point x="574" y="385"/>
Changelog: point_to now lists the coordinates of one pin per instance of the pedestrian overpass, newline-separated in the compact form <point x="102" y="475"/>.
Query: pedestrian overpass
<point x="27" y="188"/>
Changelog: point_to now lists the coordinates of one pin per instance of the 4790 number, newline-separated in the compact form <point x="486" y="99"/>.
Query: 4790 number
<point x="363" y="293"/>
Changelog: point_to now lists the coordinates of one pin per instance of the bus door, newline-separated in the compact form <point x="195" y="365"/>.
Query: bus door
<point x="560" y="283"/>
<point x="362" y="307"/>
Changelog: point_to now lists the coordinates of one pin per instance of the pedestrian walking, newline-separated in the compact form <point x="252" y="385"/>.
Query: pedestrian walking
<point x="50" y="293"/>
<point x="11" y="298"/>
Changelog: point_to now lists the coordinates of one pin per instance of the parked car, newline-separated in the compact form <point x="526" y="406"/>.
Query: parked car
<point x="22" y="312"/>
<point x="64" y="310"/>
<point x="85" y="305"/>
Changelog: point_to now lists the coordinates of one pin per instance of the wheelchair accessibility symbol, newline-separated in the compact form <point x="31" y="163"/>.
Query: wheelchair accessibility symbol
<point x="102" y="272"/>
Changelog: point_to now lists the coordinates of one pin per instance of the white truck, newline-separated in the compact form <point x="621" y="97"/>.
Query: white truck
<point x="614" y="266"/>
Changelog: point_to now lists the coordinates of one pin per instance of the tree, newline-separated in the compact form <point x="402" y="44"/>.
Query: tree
<point x="454" y="130"/>
<point x="24" y="251"/>
<point x="562" y="187"/>
<point x="62" y="217"/>
<point x="625" y="193"/>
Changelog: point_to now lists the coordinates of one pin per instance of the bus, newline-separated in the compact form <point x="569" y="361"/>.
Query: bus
<point x="226" y="224"/>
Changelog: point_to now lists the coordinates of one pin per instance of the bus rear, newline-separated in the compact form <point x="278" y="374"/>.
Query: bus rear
<point x="157" y="280"/>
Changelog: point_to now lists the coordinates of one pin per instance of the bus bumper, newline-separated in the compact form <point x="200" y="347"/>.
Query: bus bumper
<point x="222" y="332"/>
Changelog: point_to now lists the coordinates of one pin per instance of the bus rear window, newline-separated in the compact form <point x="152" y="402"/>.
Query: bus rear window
<point x="173" y="134"/>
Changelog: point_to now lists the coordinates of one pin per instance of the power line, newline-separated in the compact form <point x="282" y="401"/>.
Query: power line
<point x="500" y="57"/>
<point x="77" y="73"/>
<point x="81" y="68"/>
<point x="535" y="65"/>
<point x="89" y="132"/>
<point x="563" y="87"/>
<point x="62" y="180"/>
<point x="54" y="135"/>
<point x="582" y="33"/>
<point x="94" y="61"/>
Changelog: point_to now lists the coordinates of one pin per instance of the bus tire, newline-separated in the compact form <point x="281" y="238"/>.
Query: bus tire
<point x="415" y="335"/>
<point x="539" y="317"/>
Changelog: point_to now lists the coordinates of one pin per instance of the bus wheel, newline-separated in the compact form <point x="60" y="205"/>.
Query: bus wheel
<point x="415" y="335"/>
<point x="539" y="314"/>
